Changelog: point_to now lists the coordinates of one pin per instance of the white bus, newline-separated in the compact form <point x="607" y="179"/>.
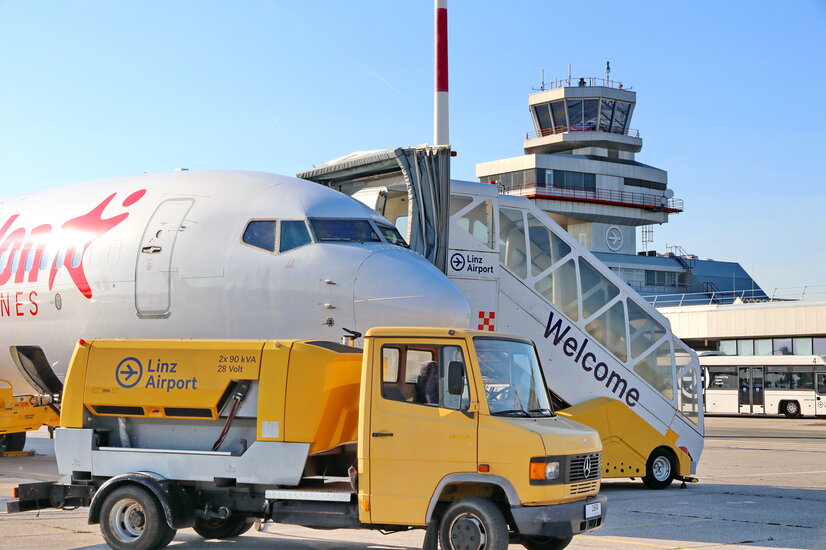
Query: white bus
<point x="794" y="385"/>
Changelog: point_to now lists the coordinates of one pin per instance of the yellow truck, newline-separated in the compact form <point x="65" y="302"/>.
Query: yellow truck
<point x="445" y="430"/>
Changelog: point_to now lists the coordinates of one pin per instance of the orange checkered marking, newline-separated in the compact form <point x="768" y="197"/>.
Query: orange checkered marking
<point x="486" y="320"/>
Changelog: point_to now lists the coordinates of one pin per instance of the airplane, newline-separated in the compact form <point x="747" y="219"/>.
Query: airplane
<point x="200" y="254"/>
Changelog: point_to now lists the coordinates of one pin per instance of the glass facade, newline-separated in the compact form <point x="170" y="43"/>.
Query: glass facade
<point x="582" y="115"/>
<point x="774" y="346"/>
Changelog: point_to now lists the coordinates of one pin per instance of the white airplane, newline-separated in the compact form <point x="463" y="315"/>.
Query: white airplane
<point x="206" y="254"/>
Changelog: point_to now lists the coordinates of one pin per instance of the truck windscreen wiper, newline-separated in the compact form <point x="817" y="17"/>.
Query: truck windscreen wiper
<point x="517" y="412"/>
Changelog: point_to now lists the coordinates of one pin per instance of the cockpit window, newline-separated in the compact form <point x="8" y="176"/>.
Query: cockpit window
<point x="293" y="235"/>
<point x="261" y="234"/>
<point x="344" y="230"/>
<point x="392" y="235"/>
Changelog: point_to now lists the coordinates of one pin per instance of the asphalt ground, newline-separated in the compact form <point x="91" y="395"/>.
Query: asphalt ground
<point x="762" y="485"/>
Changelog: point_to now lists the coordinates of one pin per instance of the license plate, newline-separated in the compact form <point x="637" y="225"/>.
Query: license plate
<point x="593" y="510"/>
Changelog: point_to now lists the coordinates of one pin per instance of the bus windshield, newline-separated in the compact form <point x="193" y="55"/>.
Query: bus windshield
<point x="512" y="378"/>
<point x="343" y="230"/>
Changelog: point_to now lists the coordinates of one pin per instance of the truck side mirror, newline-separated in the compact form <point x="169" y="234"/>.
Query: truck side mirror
<point x="455" y="377"/>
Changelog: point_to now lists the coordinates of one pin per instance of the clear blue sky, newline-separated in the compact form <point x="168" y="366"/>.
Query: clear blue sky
<point x="730" y="96"/>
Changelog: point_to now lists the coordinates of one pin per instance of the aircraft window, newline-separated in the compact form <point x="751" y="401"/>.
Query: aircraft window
<point x="392" y="235"/>
<point x="261" y="234"/>
<point x="30" y="260"/>
<point x="344" y="230"/>
<point x="77" y="256"/>
<point x="15" y="262"/>
<point x="293" y="235"/>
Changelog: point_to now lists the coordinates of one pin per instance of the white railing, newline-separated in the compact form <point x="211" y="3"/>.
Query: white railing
<point x="780" y="294"/>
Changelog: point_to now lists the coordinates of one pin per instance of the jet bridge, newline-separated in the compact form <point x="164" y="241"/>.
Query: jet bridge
<point x="609" y="357"/>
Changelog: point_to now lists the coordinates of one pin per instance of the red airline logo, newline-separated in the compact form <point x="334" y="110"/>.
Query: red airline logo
<point x="19" y="251"/>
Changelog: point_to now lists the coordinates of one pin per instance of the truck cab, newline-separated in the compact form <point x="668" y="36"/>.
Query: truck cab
<point x="447" y="430"/>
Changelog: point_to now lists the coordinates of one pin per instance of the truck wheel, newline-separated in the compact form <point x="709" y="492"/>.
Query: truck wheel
<point x="223" y="528"/>
<point x="791" y="409"/>
<point x="546" y="543"/>
<point x="473" y="524"/>
<point x="12" y="442"/>
<point x="132" y="519"/>
<point x="659" y="471"/>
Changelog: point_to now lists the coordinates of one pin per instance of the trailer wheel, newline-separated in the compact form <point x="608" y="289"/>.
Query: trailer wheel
<point x="132" y="519"/>
<point x="12" y="442"/>
<point x="546" y="543"/>
<point x="659" y="471"/>
<point x="791" y="409"/>
<point x="223" y="528"/>
<point x="473" y="524"/>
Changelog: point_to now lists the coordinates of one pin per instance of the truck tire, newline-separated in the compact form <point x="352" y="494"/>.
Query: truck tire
<point x="791" y="409"/>
<point x="12" y="442"/>
<point x="473" y="524"/>
<point x="223" y="528"/>
<point x="132" y="519"/>
<point x="660" y="469"/>
<point x="546" y="543"/>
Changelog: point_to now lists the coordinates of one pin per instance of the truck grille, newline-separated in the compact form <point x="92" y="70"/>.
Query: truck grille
<point x="584" y="467"/>
<point x="583" y="487"/>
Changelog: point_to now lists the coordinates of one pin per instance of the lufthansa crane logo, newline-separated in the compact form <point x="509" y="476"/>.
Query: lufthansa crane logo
<point x="129" y="372"/>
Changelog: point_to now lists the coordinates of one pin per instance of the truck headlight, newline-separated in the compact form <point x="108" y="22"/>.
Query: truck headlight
<point x="543" y="471"/>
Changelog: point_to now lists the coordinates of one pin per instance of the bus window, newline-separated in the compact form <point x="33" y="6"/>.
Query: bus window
<point x="722" y="378"/>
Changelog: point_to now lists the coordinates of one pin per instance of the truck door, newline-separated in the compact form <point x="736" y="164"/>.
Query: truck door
<point x="154" y="262"/>
<point x="419" y="433"/>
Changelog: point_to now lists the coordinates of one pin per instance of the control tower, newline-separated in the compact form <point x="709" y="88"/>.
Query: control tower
<point x="579" y="165"/>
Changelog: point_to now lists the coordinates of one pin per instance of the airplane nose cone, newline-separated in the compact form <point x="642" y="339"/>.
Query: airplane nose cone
<point x="399" y="288"/>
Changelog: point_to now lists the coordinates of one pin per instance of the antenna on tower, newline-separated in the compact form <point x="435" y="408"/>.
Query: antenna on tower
<point x="542" y="82"/>
<point x="607" y="70"/>
<point x="569" y="74"/>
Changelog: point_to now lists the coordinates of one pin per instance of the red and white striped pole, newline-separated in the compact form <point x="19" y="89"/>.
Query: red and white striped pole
<point x="440" y="111"/>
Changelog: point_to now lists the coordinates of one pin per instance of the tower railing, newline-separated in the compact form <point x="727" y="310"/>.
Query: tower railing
<point x="582" y="127"/>
<point x="581" y="81"/>
<point x="807" y="293"/>
<point x="600" y="196"/>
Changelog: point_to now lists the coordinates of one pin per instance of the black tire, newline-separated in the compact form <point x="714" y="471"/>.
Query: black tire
<point x="791" y="409"/>
<point x="131" y="518"/>
<point x="223" y="528"/>
<point x="546" y="543"/>
<point x="12" y="442"/>
<point x="660" y="469"/>
<point x="473" y="524"/>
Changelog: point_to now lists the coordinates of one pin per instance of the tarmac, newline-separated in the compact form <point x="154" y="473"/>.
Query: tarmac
<point x="762" y="485"/>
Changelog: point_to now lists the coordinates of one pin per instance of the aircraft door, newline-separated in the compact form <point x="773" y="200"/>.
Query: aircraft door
<point x="153" y="270"/>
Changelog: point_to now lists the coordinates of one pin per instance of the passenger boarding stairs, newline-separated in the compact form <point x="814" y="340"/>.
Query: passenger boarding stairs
<point x="604" y="349"/>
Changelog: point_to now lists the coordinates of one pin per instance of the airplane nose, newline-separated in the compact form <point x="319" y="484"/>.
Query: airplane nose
<point x="399" y="288"/>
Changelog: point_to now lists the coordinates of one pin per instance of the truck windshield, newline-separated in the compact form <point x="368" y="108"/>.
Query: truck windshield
<point x="343" y="230"/>
<point x="512" y="378"/>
